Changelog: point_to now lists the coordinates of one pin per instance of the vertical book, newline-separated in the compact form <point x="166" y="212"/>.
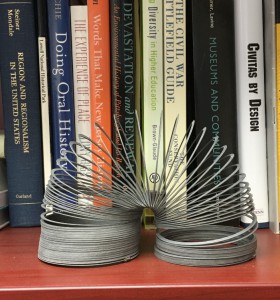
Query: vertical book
<point x="123" y="79"/>
<point x="100" y="87"/>
<point x="152" y="89"/>
<point x="271" y="125"/>
<point x="175" y="92"/>
<point x="44" y="86"/>
<point x="21" y="103"/>
<point x="250" y="90"/>
<point x="277" y="37"/>
<point x="61" y="78"/>
<point x="80" y="52"/>
<point x="214" y="91"/>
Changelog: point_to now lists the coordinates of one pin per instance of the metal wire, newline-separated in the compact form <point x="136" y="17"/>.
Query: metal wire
<point x="87" y="223"/>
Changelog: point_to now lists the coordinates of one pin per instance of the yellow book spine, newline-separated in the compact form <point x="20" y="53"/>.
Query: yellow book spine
<point x="175" y="94"/>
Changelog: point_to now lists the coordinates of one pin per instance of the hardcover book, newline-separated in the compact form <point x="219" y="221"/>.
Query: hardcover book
<point x="21" y="104"/>
<point x="214" y="91"/>
<point x="61" y="78"/>
<point x="1" y="111"/>
<point x="2" y="142"/>
<point x="251" y="103"/>
<point x="4" y="209"/>
<point x="123" y="60"/>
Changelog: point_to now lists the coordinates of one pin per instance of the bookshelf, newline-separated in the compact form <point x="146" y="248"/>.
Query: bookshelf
<point x="23" y="276"/>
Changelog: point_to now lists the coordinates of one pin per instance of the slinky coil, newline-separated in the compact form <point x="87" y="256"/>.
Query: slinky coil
<point x="92" y="217"/>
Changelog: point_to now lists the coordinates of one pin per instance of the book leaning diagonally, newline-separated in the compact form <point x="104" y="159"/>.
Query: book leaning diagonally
<point x="251" y="102"/>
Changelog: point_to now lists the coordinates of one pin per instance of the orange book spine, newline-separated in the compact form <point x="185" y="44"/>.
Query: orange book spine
<point x="100" y="89"/>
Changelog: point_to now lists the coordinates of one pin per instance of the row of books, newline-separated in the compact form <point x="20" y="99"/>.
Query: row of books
<point x="272" y="84"/>
<point x="223" y="85"/>
<point x="201" y="60"/>
<point x="46" y="56"/>
<point x="219" y="81"/>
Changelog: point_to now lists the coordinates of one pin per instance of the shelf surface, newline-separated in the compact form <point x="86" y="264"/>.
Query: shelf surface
<point x="24" y="276"/>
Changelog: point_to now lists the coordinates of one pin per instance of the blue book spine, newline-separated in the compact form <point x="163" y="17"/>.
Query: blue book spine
<point x="61" y="79"/>
<point x="21" y="106"/>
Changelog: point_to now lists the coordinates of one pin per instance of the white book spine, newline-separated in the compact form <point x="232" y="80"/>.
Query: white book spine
<point x="251" y="102"/>
<point x="270" y="83"/>
<point x="45" y="118"/>
<point x="152" y="72"/>
<point x="81" y="79"/>
<point x="175" y="93"/>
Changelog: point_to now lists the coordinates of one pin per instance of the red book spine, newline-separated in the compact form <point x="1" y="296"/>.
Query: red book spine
<point x="100" y="78"/>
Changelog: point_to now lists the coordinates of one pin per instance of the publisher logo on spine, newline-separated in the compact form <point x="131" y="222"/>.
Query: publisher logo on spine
<point x="154" y="177"/>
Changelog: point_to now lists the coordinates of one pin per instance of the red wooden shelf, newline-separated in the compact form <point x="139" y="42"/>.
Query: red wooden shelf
<point x="23" y="276"/>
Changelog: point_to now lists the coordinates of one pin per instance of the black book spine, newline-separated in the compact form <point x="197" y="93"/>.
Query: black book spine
<point x="214" y="84"/>
<point x="21" y="104"/>
<point x="123" y="79"/>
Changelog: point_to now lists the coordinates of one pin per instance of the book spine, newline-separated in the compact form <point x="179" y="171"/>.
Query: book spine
<point x="44" y="87"/>
<point x="4" y="208"/>
<point x="1" y="112"/>
<point x="137" y="49"/>
<point x="152" y="89"/>
<point x="271" y="130"/>
<point x="175" y="93"/>
<point x="277" y="37"/>
<point x="2" y="142"/>
<point x="100" y="86"/>
<point x="214" y="78"/>
<point x="250" y="90"/>
<point x="80" y="52"/>
<point x="21" y="105"/>
<point x="61" y="79"/>
<point x="123" y="81"/>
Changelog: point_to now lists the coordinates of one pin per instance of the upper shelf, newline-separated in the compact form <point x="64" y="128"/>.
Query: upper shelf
<point x="23" y="276"/>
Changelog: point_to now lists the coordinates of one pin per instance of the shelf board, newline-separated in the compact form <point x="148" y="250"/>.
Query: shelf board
<point x="24" y="276"/>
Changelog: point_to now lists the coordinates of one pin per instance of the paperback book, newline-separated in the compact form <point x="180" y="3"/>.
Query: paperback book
<point x="249" y="54"/>
<point x="44" y="86"/>
<point x="152" y="89"/>
<point x="81" y="80"/>
<point x="100" y="88"/>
